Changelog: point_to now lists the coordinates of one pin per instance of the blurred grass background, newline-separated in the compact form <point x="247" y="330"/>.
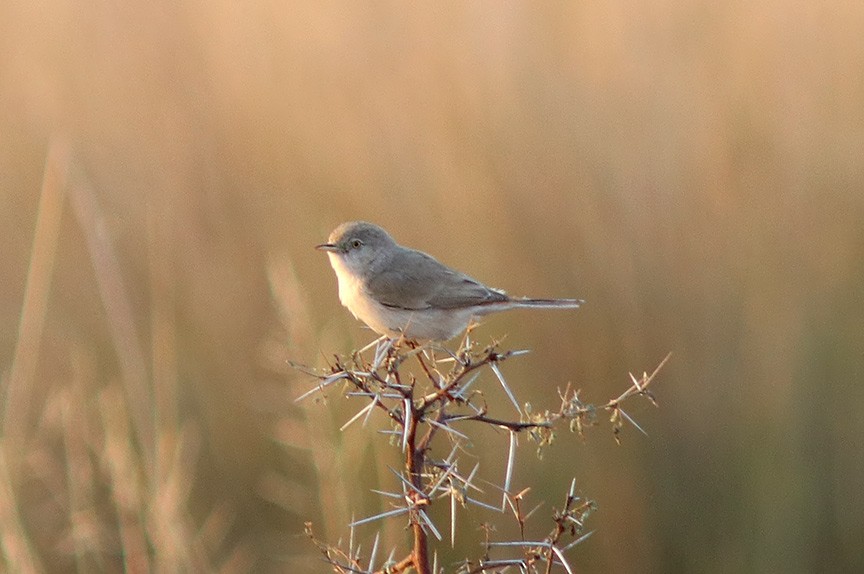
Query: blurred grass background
<point x="694" y="170"/>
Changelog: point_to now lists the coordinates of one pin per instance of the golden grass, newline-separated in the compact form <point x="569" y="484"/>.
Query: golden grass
<point x="692" y="170"/>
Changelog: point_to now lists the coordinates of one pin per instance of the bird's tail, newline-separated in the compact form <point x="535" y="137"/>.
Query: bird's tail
<point x="547" y="303"/>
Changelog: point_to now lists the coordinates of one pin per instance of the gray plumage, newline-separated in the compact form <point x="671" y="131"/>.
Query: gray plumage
<point x="400" y="291"/>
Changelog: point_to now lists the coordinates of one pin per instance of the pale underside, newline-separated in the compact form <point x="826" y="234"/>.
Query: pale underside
<point x="431" y="302"/>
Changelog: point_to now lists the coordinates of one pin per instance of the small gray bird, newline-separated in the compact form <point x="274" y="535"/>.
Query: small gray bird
<point x="398" y="291"/>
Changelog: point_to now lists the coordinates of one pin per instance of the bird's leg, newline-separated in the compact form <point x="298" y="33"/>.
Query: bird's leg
<point x="428" y="351"/>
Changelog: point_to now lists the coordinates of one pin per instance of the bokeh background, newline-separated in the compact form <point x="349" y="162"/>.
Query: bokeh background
<point x="694" y="170"/>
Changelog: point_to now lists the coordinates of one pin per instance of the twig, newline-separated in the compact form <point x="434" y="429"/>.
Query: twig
<point x="434" y="400"/>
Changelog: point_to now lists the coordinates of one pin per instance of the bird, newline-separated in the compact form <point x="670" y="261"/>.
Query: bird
<point x="401" y="292"/>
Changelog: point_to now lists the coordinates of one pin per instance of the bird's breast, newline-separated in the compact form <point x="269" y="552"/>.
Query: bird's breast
<point x="350" y="287"/>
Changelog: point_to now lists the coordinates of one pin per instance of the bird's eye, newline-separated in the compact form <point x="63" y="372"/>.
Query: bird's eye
<point x="356" y="243"/>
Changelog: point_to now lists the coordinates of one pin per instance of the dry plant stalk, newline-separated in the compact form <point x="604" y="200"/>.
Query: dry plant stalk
<point x="438" y="398"/>
<point x="89" y="482"/>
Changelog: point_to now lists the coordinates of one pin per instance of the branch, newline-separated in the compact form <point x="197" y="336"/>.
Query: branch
<point x="427" y="396"/>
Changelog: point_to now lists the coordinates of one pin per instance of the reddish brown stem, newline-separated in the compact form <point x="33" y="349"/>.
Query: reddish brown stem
<point x="414" y="466"/>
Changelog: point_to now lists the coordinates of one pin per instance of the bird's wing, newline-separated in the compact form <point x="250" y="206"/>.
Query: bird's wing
<point x="414" y="280"/>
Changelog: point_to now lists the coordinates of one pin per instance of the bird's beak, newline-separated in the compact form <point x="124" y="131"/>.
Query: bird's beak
<point x="327" y="247"/>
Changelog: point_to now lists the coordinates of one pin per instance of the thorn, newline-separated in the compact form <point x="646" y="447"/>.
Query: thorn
<point x="507" y="390"/>
<point x="629" y="418"/>
<point x="374" y="552"/>
<point x="511" y="461"/>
